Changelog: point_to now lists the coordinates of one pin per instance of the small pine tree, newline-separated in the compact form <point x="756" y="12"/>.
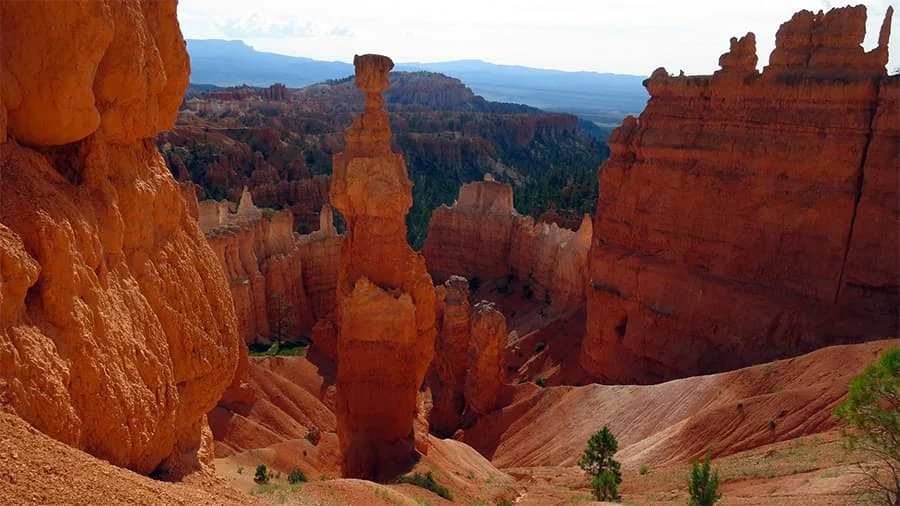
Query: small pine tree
<point x="262" y="474"/>
<point x="703" y="487"/>
<point x="598" y="462"/>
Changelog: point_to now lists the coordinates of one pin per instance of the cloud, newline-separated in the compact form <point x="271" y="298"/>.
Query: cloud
<point x="255" y="26"/>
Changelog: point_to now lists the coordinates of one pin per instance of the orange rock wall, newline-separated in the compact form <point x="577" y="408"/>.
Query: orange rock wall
<point x="271" y="268"/>
<point x="483" y="236"/>
<point x="385" y="298"/>
<point x="746" y="217"/>
<point x="117" y="330"/>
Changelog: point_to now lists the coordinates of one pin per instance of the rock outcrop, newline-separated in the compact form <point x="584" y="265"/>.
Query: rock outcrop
<point x="117" y="329"/>
<point x="483" y="236"/>
<point x="385" y="297"/>
<point x="746" y="217"/>
<point x="467" y="376"/>
<point x="282" y="283"/>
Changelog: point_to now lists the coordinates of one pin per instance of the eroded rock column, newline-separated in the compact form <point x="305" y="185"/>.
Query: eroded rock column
<point x="385" y="297"/>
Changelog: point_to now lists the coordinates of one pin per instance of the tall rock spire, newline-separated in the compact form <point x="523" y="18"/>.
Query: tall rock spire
<point x="385" y="297"/>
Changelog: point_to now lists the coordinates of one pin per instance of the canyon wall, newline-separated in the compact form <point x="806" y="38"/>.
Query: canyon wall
<point x="117" y="329"/>
<point x="385" y="297"/>
<point x="282" y="283"/>
<point x="482" y="236"/>
<point x="749" y="216"/>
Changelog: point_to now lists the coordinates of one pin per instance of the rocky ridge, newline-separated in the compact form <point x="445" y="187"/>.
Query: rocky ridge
<point x="749" y="216"/>
<point x="482" y="236"/>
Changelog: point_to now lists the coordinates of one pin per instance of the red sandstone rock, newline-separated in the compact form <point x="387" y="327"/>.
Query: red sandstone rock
<point x="385" y="297"/>
<point x="748" y="218"/>
<point x="484" y="377"/>
<point x="117" y="331"/>
<point x="483" y="236"/>
<point x="451" y="359"/>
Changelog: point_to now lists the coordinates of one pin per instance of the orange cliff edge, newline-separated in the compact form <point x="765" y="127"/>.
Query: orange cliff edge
<point x="385" y="297"/>
<point x="745" y="217"/>
<point x="117" y="328"/>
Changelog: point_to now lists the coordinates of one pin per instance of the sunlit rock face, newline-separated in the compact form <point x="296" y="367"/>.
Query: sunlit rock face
<point x="749" y="216"/>
<point x="385" y="298"/>
<point x="482" y="236"/>
<point x="117" y="328"/>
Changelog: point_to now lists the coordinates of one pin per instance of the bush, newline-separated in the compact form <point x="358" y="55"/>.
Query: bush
<point x="540" y="381"/>
<point x="539" y="347"/>
<point x="644" y="470"/>
<point x="296" y="476"/>
<point x="598" y="462"/>
<point x="703" y="487"/>
<point x="427" y="481"/>
<point x="872" y="411"/>
<point x="262" y="474"/>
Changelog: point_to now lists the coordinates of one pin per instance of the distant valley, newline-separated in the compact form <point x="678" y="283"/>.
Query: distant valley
<point x="604" y="99"/>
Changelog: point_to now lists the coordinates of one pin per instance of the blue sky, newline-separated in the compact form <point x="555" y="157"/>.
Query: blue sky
<point x="630" y="36"/>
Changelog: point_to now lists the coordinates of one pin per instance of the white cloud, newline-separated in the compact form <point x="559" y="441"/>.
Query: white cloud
<point x="627" y="36"/>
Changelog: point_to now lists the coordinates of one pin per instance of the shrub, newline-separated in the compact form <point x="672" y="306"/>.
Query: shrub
<point x="296" y="476"/>
<point x="703" y="487"/>
<point x="644" y="470"/>
<point x="872" y="411"/>
<point x="540" y="381"/>
<point x="539" y="347"/>
<point x="262" y="474"/>
<point x="427" y="481"/>
<point x="598" y="462"/>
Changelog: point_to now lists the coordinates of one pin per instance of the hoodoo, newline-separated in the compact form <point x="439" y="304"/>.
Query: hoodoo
<point x="746" y="217"/>
<point x="385" y="297"/>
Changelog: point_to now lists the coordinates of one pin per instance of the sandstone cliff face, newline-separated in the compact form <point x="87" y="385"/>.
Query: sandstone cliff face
<point x="385" y="298"/>
<point x="484" y="377"/>
<point x="483" y="236"/>
<point x="746" y="217"/>
<point x="117" y="331"/>
<point x="282" y="283"/>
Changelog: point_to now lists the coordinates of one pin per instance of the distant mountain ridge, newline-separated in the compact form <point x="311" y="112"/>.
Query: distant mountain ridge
<point x="601" y="98"/>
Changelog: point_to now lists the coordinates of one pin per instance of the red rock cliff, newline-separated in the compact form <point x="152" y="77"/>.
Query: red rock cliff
<point x="117" y="330"/>
<point x="483" y="236"/>
<point x="385" y="298"/>
<point x="746" y="217"/>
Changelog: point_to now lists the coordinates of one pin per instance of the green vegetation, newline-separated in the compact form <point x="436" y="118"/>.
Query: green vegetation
<point x="540" y="381"/>
<point x="277" y="348"/>
<point x="644" y="470"/>
<point x="296" y="476"/>
<point x="539" y="347"/>
<point x="262" y="474"/>
<point x="703" y="484"/>
<point x="872" y="413"/>
<point x="427" y="481"/>
<point x="602" y="469"/>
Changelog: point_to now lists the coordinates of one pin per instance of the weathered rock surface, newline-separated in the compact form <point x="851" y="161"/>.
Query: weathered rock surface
<point x="484" y="377"/>
<point x="385" y="298"/>
<point x="117" y="330"/>
<point x="466" y="377"/>
<point x="451" y="359"/>
<point x="746" y="217"/>
<point x="282" y="283"/>
<point x="483" y="236"/>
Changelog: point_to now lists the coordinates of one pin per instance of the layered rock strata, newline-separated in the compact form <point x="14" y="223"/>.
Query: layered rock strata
<point x="483" y="236"/>
<point x="466" y="376"/>
<point x="117" y="330"/>
<point x="385" y="297"/>
<point x="750" y="216"/>
<point x="272" y="269"/>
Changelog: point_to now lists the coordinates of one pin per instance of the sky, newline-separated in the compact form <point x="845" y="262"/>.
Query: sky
<point x="625" y="36"/>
